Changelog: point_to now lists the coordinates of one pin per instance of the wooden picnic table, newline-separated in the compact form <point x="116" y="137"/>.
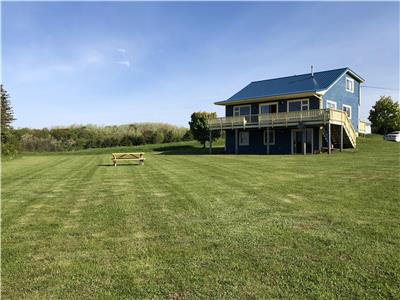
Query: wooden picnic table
<point x="137" y="156"/>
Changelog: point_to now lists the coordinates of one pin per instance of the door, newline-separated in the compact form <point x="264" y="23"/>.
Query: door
<point x="302" y="139"/>
<point x="298" y="142"/>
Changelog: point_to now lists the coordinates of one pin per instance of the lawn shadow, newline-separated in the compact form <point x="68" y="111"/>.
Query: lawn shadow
<point x="188" y="150"/>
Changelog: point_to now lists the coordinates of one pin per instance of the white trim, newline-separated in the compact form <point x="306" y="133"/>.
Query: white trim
<point x="298" y="100"/>
<point x="270" y="142"/>
<point x="267" y="104"/>
<point x="246" y="105"/>
<point x="331" y="102"/>
<point x="352" y="84"/>
<point x="301" y="130"/>
<point x="348" y="106"/>
<point x="240" y="140"/>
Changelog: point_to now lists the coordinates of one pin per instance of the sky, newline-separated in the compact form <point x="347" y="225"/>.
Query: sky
<point x="124" y="62"/>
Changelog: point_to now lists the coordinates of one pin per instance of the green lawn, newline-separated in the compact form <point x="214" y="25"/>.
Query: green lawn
<point x="187" y="226"/>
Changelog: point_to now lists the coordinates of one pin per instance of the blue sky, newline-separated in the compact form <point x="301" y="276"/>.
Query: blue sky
<point x="117" y="63"/>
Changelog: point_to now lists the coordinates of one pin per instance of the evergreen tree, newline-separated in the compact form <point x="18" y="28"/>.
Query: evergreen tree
<point x="9" y="140"/>
<point x="7" y="114"/>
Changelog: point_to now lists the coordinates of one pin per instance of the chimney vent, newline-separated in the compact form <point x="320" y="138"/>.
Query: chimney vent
<point x="312" y="71"/>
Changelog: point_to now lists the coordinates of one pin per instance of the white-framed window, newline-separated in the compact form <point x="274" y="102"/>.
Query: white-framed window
<point x="271" y="137"/>
<point x="347" y="110"/>
<point x="331" y="104"/>
<point x="244" y="138"/>
<point x="298" y="105"/>
<point x="242" y="110"/>
<point x="349" y="84"/>
<point x="268" y="108"/>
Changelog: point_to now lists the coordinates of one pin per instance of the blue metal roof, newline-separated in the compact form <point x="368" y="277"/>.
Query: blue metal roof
<point x="296" y="84"/>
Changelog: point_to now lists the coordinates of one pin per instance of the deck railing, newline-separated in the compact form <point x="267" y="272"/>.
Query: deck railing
<point x="271" y="119"/>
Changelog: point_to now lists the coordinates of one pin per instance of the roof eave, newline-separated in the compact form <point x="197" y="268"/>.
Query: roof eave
<point x="275" y="97"/>
<point x="354" y="74"/>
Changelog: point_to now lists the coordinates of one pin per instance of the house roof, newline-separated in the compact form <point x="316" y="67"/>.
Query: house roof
<point x="292" y="85"/>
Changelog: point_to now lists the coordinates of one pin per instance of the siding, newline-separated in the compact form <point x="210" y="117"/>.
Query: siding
<point x="256" y="143"/>
<point x="282" y="105"/>
<point x="339" y="94"/>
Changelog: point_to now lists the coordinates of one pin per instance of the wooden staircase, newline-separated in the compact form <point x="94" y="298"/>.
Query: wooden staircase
<point x="338" y="118"/>
<point x="335" y="137"/>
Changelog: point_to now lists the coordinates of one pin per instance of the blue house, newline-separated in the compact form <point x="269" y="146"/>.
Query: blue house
<point x="300" y="114"/>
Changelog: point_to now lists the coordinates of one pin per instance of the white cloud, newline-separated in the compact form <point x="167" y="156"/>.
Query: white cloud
<point x="93" y="57"/>
<point x="125" y="63"/>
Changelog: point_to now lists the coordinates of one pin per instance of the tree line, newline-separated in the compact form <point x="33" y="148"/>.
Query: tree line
<point x="90" y="136"/>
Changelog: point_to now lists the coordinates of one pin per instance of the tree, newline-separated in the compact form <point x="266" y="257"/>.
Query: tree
<point x="200" y="129"/>
<point x="385" y="115"/>
<point x="9" y="139"/>
<point x="7" y="114"/>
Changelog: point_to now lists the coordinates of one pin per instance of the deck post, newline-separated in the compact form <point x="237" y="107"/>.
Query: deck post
<point x="341" y="137"/>
<point x="236" y="141"/>
<point x="210" y="142"/>
<point x="304" y="141"/>
<point x="267" y="140"/>
<point x="329" y="138"/>
<point x="320" y="139"/>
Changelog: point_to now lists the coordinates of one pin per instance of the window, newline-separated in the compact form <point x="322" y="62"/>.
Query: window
<point x="331" y="104"/>
<point x="298" y="105"/>
<point x="271" y="137"/>
<point x="269" y="108"/>
<point x="242" y="110"/>
<point x="349" y="85"/>
<point x="244" y="138"/>
<point x="347" y="110"/>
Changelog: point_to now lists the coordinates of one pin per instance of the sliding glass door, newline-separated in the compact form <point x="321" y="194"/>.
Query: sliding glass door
<point x="302" y="140"/>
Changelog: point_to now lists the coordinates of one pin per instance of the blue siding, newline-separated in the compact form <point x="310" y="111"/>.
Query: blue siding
<point x="230" y="141"/>
<point x="339" y="94"/>
<point x="256" y="143"/>
<point x="282" y="105"/>
<point x="229" y="110"/>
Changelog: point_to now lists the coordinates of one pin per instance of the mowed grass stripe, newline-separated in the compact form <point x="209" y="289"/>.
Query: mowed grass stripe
<point x="27" y="168"/>
<point x="48" y="190"/>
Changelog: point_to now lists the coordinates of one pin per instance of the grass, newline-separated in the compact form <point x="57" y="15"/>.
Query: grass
<point x="187" y="226"/>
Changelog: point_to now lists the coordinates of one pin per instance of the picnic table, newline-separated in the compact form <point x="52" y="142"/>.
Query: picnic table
<point x="138" y="156"/>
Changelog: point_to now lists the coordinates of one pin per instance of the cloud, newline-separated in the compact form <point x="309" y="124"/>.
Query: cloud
<point x="125" y="63"/>
<point x="93" y="57"/>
